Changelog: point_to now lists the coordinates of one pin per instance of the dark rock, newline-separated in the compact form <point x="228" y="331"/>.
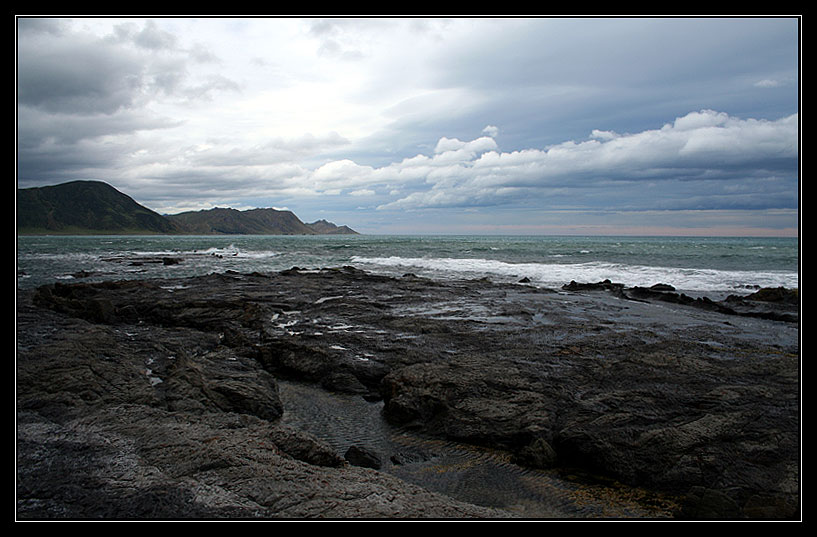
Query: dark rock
<point x="362" y="456"/>
<point x="707" y="504"/>
<point x="343" y="382"/>
<point x="662" y="287"/>
<point x="173" y="392"/>
<point x="774" y="304"/>
<point x="161" y="419"/>
<point x="605" y="285"/>
<point x="304" y="447"/>
<point x="776" y="294"/>
<point x="778" y="304"/>
<point x="538" y="454"/>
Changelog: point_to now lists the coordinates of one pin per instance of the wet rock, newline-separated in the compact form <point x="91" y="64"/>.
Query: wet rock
<point x="662" y="287"/>
<point x="605" y="285"/>
<point x="704" y="503"/>
<point x="768" y="303"/>
<point x="470" y="398"/>
<point x="344" y="382"/>
<point x="776" y="294"/>
<point x="538" y="454"/>
<point x="778" y="304"/>
<point x="363" y="456"/>
<point x="146" y="421"/>
<point x="174" y="392"/>
<point x="304" y="447"/>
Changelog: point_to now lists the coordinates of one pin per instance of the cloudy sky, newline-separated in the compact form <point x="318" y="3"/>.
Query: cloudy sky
<point x="409" y="125"/>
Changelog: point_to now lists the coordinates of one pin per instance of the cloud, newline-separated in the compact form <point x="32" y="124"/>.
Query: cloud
<point x="446" y="145"/>
<point x="345" y="39"/>
<point x="702" y="146"/>
<point x="81" y="77"/>
<point x="362" y="192"/>
<point x="63" y="70"/>
<point x="84" y="99"/>
<point x="767" y="83"/>
<point x="491" y="131"/>
<point x="151" y="37"/>
<point x="471" y="114"/>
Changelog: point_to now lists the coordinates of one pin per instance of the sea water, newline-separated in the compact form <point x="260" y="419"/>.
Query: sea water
<point x="713" y="266"/>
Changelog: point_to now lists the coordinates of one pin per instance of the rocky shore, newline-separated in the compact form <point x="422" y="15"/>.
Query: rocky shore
<point x="165" y="398"/>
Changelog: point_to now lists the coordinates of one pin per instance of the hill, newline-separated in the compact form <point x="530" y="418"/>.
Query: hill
<point x="95" y="207"/>
<point x="323" y="227"/>
<point x="84" y="207"/>
<point x="232" y="221"/>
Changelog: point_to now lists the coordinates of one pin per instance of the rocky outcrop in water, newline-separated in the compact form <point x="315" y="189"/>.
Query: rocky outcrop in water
<point x="159" y="398"/>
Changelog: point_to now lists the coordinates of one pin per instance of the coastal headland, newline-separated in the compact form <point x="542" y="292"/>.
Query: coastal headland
<point x="173" y="398"/>
<point x="95" y="207"/>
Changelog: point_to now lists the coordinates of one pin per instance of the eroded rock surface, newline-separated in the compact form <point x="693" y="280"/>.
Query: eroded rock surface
<point x="159" y="398"/>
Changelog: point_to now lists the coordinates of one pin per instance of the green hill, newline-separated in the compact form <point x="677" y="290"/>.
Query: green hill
<point x="94" y="207"/>
<point x="233" y="222"/>
<point x="85" y="207"/>
<point x="328" y="228"/>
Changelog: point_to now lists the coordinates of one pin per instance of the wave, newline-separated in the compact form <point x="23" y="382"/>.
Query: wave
<point x="215" y="251"/>
<point x="556" y="274"/>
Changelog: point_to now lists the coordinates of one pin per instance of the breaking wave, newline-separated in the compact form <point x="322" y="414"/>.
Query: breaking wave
<point x="556" y="274"/>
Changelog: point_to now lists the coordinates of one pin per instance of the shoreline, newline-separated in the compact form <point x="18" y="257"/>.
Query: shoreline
<point x="671" y="396"/>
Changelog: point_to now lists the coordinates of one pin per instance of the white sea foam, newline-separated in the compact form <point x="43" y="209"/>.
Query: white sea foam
<point x="556" y="275"/>
<point x="233" y="251"/>
<point x="327" y="298"/>
<point x="723" y="264"/>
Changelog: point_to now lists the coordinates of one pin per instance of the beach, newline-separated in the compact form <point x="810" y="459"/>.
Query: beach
<point x="239" y="395"/>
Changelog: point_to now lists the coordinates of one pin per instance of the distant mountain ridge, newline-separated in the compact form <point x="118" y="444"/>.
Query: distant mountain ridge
<point x="95" y="207"/>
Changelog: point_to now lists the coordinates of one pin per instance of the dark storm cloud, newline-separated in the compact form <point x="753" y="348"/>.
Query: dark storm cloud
<point x="441" y="116"/>
<point x="76" y="73"/>
<point x="74" y="86"/>
<point x="77" y="77"/>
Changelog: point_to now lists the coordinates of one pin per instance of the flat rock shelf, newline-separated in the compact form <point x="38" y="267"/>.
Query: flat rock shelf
<point x="337" y="394"/>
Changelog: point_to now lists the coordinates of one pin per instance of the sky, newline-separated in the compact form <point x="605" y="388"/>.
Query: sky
<point x="405" y="125"/>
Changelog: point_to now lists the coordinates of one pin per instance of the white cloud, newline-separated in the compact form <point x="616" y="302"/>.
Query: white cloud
<point x="603" y="135"/>
<point x="699" y="144"/>
<point x="767" y="83"/>
<point x="456" y="149"/>
<point x="491" y="131"/>
<point x="697" y="120"/>
<point x="362" y="192"/>
<point x="703" y="145"/>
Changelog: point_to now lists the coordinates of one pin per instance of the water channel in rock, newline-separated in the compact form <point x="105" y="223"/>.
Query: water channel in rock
<point x="467" y="473"/>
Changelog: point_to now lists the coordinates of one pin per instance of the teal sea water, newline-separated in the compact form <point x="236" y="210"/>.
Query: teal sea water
<point x="708" y="265"/>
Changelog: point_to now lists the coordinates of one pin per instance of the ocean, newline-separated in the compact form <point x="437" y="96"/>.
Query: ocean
<point x="710" y="266"/>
